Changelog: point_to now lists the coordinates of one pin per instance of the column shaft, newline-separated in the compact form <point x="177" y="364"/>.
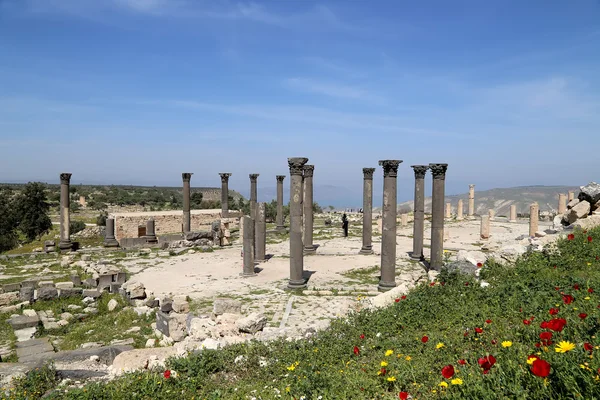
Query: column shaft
<point x="65" y="216"/>
<point x="513" y="213"/>
<point x="279" y="219"/>
<point x="459" y="210"/>
<point x="388" y="237"/>
<point x="562" y="203"/>
<point x="419" y="211"/>
<point x="247" y="243"/>
<point x="187" y="221"/>
<point x="260" y="230"/>
<point x="225" y="194"/>
<point x="534" y="217"/>
<point x="297" y="280"/>
<point x="484" y="232"/>
<point x="471" y="210"/>
<point x="437" y="215"/>
<point x="308" y="208"/>
<point x="109" y="234"/>
<point x="367" y="231"/>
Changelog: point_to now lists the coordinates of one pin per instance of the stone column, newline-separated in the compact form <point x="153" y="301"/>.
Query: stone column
<point x="459" y="210"/>
<point x="367" y="228"/>
<point x="109" y="234"/>
<point x="448" y="210"/>
<point x="437" y="215"/>
<point x="308" y="209"/>
<point x="471" y="210"/>
<point x="247" y="243"/>
<point x="419" y="211"/>
<point x="279" y="220"/>
<point x="150" y="231"/>
<point x="485" y="227"/>
<point x="65" y="216"/>
<point x="562" y="203"/>
<point x="187" y="220"/>
<point x="491" y="214"/>
<point x="297" y="280"/>
<point x="260" y="232"/>
<point x="253" y="195"/>
<point x="404" y="219"/>
<point x="571" y="196"/>
<point x="534" y="217"/>
<point x="513" y="214"/>
<point x="388" y="237"/>
<point x="225" y="194"/>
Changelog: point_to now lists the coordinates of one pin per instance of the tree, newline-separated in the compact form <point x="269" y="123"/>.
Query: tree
<point x="317" y="208"/>
<point x="8" y="222"/>
<point x="196" y="200"/>
<point x="32" y="211"/>
<point x="101" y="219"/>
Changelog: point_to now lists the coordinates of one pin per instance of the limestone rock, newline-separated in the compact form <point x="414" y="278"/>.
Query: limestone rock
<point x="386" y="298"/>
<point x="64" y="285"/>
<point x="140" y="359"/>
<point x="135" y="289"/>
<point x="227" y="306"/>
<point x="112" y="305"/>
<point x="511" y="252"/>
<point x="8" y="298"/>
<point x="587" y="223"/>
<point x="572" y="203"/>
<point x="557" y="224"/>
<point x="172" y="325"/>
<point x="150" y="343"/>
<point x="590" y="193"/>
<point x="199" y="328"/>
<point x="181" y="306"/>
<point x="464" y="267"/>
<point x="581" y="210"/>
<point x="473" y="257"/>
<point x="47" y="293"/>
<point x="252" y="323"/>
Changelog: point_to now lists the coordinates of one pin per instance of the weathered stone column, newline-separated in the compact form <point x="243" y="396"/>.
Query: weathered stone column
<point x="253" y="195"/>
<point x="485" y="227"/>
<point x="534" y="218"/>
<point x="448" y="210"/>
<point x="403" y="219"/>
<point x="562" y="203"/>
<point x="367" y="228"/>
<point x="279" y="220"/>
<point x="437" y="215"/>
<point x="150" y="231"/>
<point x="297" y="280"/>
<point x="260" y="231"/>
<point x="225" y="194"/>
<point x="459" y="210"/>
<point x="471" y="210"/>
<point x="419" y="211"/>
<point x="187" y="221"/>
<point x="491" y="214"/>
<point x="247" y="243"/>
<point x="65" y="216"/>
<point x="571" y="195"/>
<point x="513" y="213"/>
<point x="309" y="248"/>
<point x="388" y="237"/>
<point x="109" y="234"/>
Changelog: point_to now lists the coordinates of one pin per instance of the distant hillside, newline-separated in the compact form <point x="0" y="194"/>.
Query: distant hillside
<point x="501" y="199"/>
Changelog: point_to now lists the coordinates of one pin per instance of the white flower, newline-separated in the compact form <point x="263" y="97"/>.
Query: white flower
<point x="378" y="334"/>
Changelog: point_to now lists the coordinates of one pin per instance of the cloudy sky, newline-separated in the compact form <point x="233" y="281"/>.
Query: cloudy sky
<point x="138" y="91"/>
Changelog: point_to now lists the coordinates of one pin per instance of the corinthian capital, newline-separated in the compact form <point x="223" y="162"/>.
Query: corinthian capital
<point x="420" y="171"/>
<point x="65" y="178"/>
<point x="186" y="176"/>
<point x="296" y="165"/>
<point x="390" y="167"/>
<point x="308" y="170"/>
<point x="438" y="170"/>
<point x="368" y="173"/>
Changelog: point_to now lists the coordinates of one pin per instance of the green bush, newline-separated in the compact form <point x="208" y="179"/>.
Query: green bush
<point x="76" y="226"/>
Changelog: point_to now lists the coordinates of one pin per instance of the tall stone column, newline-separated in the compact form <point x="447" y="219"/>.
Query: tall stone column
<point x="513" y="213"/>
<point x="367" y="231"/>
<point x="571" y="195"/>
<point x="150" y="231"/>
<point x="260" y="232"/>
<point x="109" y="234"/>
<point x="247" y="243"/>
<point x="279" y="220"/>
<point x="437" y="215"/>
<point x="471" y="210"/>
<point x="253" y="195"/>
<point x="308" y="209"/>
<point x="562" y="203"/>
<point x="491" y="214"/>
<point x="187" y="220"/>
<point x="459" y="210"/>
<point x="65" y="243"/>
<point x="448" y="210"/>
<point x="419" y="211"/>
<point x="297" y="280"/>
<point x="225" y="194"/>
<point x="534" y="218"/>
<point x="403" y="219"/>
<point x="485" y="227"/>
<point x="388" y="237"/>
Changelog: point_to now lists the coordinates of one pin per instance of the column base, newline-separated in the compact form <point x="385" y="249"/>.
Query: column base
<point x="415" y="257"/>
<point x="65" y="246"/>
<point x="248" y="275"/>
<point x="151" y="239"/>
<point x="296" y="284"/>
<point x="111" y="243"/>
<point x="385" y="286"/>
<point x="280" y="228"/>
<point x="366" y="250"/>
<point x="310" y="250"/>
<point x="512" y="220"/>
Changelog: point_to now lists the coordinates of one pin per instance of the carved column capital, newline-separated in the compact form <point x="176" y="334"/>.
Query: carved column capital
<point x="253" y="177"/>
<point x="224" y="176"/>
<point x="186" y="176"/>
<point x="280" y="178"/>
<point x="420" y="171"/>
<point x="296" y="165"/>
<point x="471" y="187"/>
<point x="308" y="170"/>
<point x="65" y="178"/>
<point x="390" y="167"/>
<point x="438" y="170"/>
<point x="368" y="173"/>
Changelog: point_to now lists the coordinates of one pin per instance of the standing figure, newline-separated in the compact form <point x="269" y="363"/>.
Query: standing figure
<point x="345" y="225"/>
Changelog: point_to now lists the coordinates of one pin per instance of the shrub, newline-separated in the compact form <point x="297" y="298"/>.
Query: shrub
<point x="76" y="226"/>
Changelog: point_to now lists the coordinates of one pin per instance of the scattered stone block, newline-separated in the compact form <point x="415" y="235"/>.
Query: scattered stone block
<point x="104" y="281"/>
<point x="227" y="306"/>
<point x="11" y="287"/>
<point x="70" y="292"/>
<point x="27" y="294"/>
<point x="122" y="342"/>
<point x="166" y="304"/>
<point x="30" y="313"/>
<point x="150" y="343"/>
<point x="152" y="302"/>
<point x="90" y="282"/>
<point x="47" y="293"/>
<point x="580" y="210"/>
<point x="8" y="298"/>
<point x="29" y="283"/>
<point x="25" y="334"/>
<point x="45" y="284"/>
<point x="572" y="203"/>
<point x="114" y="287"/>
<point x="64" y="285"/>
<point x="93" y="293"/>
<point x="23" y="321"/>
<point x="172" y="325"/>
<point x="112" y="304"/>
<point x="180" y="304"/>
<point x="121" y="277"/>
<point x="252" y="323"/>
<point x="66" y="316"/>
<point x="136" y="290"/>
<point x="76" y="279"/>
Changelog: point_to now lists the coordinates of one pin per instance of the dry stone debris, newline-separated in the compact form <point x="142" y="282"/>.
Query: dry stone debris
<point x="580" y="210"/>
<point x="252" y="323"/>
<point x="590" y="193"/>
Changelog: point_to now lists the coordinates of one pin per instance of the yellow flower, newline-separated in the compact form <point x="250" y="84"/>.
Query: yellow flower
<point x="287" y="389"/>
<point x="291" y="367"/>
<point x="587" y="297"/>
<point x="530" y="360"/>
<point x="439" y="345"/>
<point x="391" y="379"/>
<point x="443" y="384"/>
<point x="456" y="381"/>
<point x="389" y="353"/>
<point x="506" y="343"/>
<point x="408" y="358"/>
<point x="384" y="364"/>
<point x="563" y="347"/>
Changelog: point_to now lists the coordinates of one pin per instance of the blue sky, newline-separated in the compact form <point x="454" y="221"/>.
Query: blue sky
<point x="138" y="91"/>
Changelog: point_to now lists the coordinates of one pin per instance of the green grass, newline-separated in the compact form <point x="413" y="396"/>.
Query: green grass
<point x="368" y="275"/>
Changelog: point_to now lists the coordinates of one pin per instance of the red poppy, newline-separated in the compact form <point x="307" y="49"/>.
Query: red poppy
<point x="488" y="321"/>
<point x="553" y="311"/>
<point x="568" y="299"/>
<point x="467" y="333"/>
<point x="466" y="283"/>
<point x="582" y="315"/>
<point x="479" y="265"/>
<point x="487" y="363"/>
<point x="424" y="339"/>
<point x="382" y="371"/>
<point x="556" y="287"/>
<point x="526" y="321"/>
<point x="448" y="371"/>
<point x="540" y="368"/>
<point x="432" y="284"/>
<point x="576" y="286"/>
<point x="532" y="318"/>
<point x="589" y="239"/>
<point x="356" y="350"/>
<point x="544" y="325"/>
<point x="571" y="236"/>
<point x="590" y="290"/>
<point x="442" y="283"/>
<point x="403" y="297"/>
<point x="167" y="374"/>
<point x="362" y="336"/>
<point x="397" y="300"/>
<point x="546" y="338"/>
<point x="403" y="395"/>
<point x="538" y="345"/>
<point x="478" y="330"/>
<point x="588" y="347"/>
<point x="557" y="324"/>
<point x="494" y="341"/>
<point x="462" y="362"/>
